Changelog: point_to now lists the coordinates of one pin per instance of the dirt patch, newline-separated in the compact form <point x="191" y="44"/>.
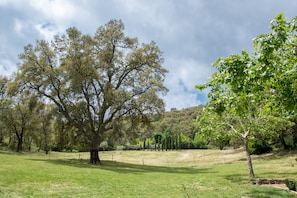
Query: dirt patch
<point x="270" y="181"/>
<point x="276" y="183"/>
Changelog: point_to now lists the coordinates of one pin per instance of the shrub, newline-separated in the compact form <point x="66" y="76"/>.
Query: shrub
<point x="291" y="184"/>
<point x="132" y="147"/>
<point x="258" y="146"/>
<point x="200" y="142"/>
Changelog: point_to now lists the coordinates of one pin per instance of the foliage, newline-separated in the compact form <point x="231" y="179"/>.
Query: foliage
<point x="18" y="115"/>
<point x="213" y="129"/>
<point x="186" y="142"/>
<point x="259" y="146"/>
<point x="178" y="128"/>
<point x="250" y="93"/>
<point x="200" y="141"/>
<point x="291" y="184"/>
<point x="96" y="82"/>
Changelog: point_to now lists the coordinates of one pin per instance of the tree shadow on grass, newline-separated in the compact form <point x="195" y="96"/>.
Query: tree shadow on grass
<point x="127" y="168"/>
<point x="122" y="167"/>
<point x="283" y="175"/>
<point x="270" y="192"/>
<point x="275" y="155"/>
<point x="238" y="178"/>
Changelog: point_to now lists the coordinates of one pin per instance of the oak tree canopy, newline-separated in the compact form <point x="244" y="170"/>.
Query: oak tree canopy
<point x="96" y="82"/>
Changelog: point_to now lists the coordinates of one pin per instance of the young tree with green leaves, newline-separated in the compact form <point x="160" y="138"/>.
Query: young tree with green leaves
<point x="97" y="82"/>
<point x="252" y="94"/>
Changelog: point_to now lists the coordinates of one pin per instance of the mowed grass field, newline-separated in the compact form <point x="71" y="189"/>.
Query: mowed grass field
<point x="187" y="173"/>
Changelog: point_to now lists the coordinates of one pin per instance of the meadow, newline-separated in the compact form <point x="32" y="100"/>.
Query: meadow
<point x="187" y="173"/>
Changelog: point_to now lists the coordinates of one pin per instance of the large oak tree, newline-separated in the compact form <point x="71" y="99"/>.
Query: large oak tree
<point x="96" y="82"/>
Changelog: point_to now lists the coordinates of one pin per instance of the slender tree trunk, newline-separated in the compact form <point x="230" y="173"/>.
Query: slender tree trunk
<point x="1" y="136"/>
<point x="20" y="141"/>
<point x="282" y="140"/>
<point x="30" y="139"/>
<point x="20" y="145"/>
<point x="46" y="148"/>
<point x="248" y="156"/>
<point x="46" y="141"/>
<point x="144" y="146"/>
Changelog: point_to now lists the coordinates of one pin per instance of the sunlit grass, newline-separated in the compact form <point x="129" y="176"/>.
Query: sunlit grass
<point x="192" y="173"/>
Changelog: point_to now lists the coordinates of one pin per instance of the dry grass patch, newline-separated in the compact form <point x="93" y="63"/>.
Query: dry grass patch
<point x="184" y="158"/>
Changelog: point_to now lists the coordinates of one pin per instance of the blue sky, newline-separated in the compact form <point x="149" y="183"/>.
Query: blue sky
<point x="191" y="33"/>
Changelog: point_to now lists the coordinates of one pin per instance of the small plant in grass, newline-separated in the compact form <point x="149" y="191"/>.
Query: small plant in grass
<point x="291" y="184"/>
<point x="189" y="192"/>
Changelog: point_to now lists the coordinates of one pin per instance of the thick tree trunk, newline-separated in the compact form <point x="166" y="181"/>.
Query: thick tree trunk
<point x="94" y="151"/>
<point x="94" y="156"/>
<point x="20" y="139"/>
<point x="248" y="156"/>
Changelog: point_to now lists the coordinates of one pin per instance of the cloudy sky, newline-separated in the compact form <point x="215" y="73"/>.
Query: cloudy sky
<point x="191" y="33"/>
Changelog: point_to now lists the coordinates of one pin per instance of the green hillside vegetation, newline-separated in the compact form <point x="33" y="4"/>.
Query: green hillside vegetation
<point x="175" y="129"/>
<point x="181" y="128"/>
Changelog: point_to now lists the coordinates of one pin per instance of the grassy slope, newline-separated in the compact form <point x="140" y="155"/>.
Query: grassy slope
<point x="199" y="173"/>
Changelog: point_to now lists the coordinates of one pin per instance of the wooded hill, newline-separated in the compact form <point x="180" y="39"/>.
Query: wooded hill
<point x="179" y="129"/>
<point x="175" y="129"/>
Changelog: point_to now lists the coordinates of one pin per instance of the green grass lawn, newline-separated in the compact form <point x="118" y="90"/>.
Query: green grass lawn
<point x="193" y="173"/>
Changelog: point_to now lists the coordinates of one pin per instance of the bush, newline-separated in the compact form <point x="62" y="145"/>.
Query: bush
<point x="258" y="146"/>
<point x="291" y="184"/>
<point x="236" y="142"/>
<point x="3" y="146"/>
<point x="185" y="142"/>
<point x="132" y="147"/>
<point x="199" y="142"/>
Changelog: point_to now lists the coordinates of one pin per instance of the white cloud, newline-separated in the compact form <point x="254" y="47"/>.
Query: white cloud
<point x="191" y="72"/>
<point x="61" y="10"/>
<point x="191" y="33"/>
<point x="18" y="26"/>
<point x="7" y="67"/>
<point x="181" y="101"/>
<point x="10" y="2"/>
<point x="183" y="75"/>
<point x="46" y="30"/>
